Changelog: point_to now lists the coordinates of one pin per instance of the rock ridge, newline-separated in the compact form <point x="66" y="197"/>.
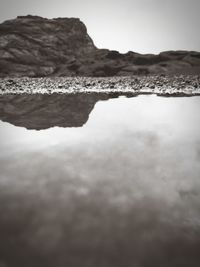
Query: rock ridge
<point x="33" y="46"/>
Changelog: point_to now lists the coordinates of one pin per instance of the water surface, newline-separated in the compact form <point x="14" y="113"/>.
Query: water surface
<point x="122" y="190"/>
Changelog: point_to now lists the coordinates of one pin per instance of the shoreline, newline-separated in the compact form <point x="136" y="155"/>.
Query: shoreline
<point x="181" y="85"/>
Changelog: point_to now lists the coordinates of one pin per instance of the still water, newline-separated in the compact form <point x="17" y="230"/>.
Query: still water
<point x="112" y="183"/>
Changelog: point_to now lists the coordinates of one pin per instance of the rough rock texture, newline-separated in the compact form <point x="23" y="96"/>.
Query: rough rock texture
<point x="36" y="47"/>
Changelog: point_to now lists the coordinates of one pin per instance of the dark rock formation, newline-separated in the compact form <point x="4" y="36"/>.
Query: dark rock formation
<point x="40" y="112"/>
<point x="36" y="47"/>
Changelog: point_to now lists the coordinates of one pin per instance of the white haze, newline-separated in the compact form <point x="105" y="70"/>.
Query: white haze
<point x="145" y="26"/>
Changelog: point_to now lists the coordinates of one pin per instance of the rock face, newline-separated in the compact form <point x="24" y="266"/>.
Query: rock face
<point x="41" y="112"/>
<point x="37" y="47"/>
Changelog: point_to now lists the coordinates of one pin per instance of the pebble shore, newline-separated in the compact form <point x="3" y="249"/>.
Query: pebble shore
<point x="133" y="85"/>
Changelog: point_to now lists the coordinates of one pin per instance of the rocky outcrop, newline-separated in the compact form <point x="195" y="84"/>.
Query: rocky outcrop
<point x="35" y="46"/>
<point x="38" y="47"/>
<point x="40" y="112"/>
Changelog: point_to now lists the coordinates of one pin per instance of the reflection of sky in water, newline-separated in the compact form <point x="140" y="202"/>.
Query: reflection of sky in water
<point x="175" y="117"/>
<point x="134" y="156"/>
<point x="153" y="143"/>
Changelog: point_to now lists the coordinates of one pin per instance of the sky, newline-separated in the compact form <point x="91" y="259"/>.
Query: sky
<point x="144" y="26"/>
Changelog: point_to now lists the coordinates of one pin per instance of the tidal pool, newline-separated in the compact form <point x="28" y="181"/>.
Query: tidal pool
<point x="116" y="184"/>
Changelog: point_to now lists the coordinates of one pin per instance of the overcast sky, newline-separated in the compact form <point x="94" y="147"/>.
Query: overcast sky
<point x="145" y="26"/>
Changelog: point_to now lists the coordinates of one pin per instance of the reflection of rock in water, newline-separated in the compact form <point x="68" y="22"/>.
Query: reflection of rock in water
<point x="120" y="194"/>
<point x="44" y="111"/>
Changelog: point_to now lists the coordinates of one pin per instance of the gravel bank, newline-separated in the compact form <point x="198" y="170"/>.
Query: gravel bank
<point x="160" y="85"/>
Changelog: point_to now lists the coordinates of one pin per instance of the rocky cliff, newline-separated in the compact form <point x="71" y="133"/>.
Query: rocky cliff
<point x="42" y="111"/>
<point x="35" y="47"/>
